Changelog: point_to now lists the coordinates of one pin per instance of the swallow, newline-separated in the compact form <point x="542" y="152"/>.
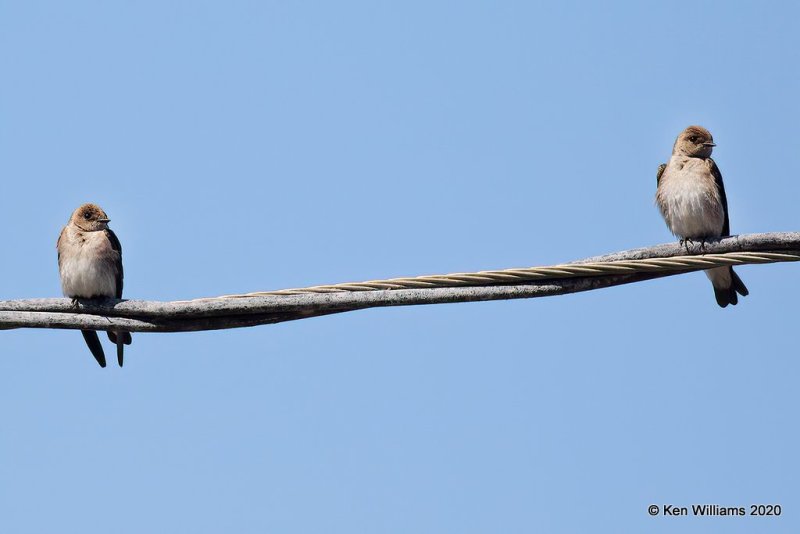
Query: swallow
<point x="90" y="265"/>
<point x="691" y="197"/>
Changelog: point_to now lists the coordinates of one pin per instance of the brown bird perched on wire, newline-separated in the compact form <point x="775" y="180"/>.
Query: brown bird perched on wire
<point x="691" y="197"/>
<point x="90" y="265"/>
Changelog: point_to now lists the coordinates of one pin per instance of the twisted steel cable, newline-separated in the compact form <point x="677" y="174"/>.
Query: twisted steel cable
<point x="553" y="272"/>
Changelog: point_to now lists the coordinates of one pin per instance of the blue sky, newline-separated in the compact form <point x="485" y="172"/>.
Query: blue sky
<point x="242" y="146"/>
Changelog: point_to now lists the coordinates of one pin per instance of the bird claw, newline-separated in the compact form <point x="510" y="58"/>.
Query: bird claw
<point x="687" y="242"/>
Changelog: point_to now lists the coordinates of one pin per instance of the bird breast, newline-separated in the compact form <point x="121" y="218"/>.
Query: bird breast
<point x="87" y="265"/>
<point x="689" y="200"/>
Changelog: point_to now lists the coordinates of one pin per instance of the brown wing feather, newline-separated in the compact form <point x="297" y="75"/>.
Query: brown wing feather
<point x="659" y="172"/>
<point x="712" y="166"/>
<point x="58" y="245"/>
<point x="116" y="247"/>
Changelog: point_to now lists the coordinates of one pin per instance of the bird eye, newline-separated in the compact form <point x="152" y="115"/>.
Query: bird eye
<point x="693" y="139"/>
<point x="87" y="215"/>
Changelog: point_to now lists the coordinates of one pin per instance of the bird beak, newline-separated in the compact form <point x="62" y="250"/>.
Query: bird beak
<point x="709" y="144"/>
<point x="103" y="220"/>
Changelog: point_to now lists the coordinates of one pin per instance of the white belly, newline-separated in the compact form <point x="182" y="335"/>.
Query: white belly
<point x="87" y="275"/>
<point x="692" y="207"/>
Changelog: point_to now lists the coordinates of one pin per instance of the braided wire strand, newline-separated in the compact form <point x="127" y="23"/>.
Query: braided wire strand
<point x="530" y="274"/>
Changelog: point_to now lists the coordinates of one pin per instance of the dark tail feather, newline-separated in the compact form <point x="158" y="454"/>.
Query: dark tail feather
<point x="120" y="350"/>
<point x="126" y="337"/>
<point x="738" y="285"/>
<point x="728" y="295"/>
<point x="725" y="296"/>
<point x="120" y="339"/>
<point x="90" y="336"/>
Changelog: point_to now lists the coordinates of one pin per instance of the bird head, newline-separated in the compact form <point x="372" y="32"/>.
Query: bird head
<point x="695" y="142"/>
<point x="90" y="218"/>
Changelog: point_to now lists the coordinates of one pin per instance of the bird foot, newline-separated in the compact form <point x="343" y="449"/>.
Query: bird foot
<point x="688" y="242"/>
<point x="685" y="242"/>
